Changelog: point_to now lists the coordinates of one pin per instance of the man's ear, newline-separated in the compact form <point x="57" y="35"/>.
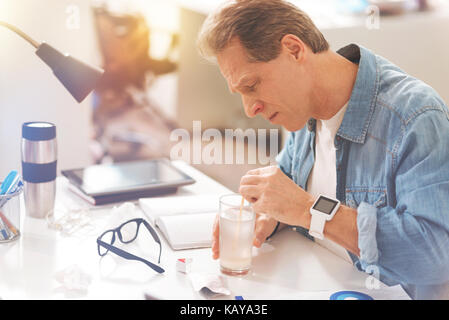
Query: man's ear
<point x="293" y="46"/>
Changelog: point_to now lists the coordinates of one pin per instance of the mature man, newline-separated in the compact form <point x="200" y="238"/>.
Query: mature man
<point x="362" y="131"/>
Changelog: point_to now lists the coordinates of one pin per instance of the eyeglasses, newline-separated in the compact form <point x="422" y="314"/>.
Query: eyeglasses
<point x="127" y="233"/>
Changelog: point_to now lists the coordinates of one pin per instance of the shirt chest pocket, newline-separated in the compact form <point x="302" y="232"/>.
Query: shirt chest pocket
<point x="376" y="196"/>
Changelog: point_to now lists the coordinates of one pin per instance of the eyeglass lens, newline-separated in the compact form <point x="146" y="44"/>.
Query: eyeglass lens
<point x="128" y="231"/>
<point x="108" y="238"/>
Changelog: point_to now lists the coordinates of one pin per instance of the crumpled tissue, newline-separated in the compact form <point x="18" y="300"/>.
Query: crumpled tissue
<point x="126" y="211"/>
<point x="210" y="285"/>
<point x="73" y="278"/>
<point x="73" y="220"/>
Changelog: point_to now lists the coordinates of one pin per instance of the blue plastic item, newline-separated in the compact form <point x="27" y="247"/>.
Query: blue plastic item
<point x="353" y="295"/>
<point x="10" y="182"/>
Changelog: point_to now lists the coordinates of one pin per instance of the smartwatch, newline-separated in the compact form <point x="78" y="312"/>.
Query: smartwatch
<point x="322" y="210"/>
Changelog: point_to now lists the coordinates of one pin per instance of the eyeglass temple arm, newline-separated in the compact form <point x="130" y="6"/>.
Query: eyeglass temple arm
<point x="130" y="256"/>
<point x="155" y="237"/>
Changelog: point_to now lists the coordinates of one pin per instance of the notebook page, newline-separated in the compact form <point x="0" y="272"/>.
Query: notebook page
<point x="187" y="231"/>
<point x="165" y="206"/>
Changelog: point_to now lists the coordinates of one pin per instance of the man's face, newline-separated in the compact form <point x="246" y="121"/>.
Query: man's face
<point x="278" y="90"/>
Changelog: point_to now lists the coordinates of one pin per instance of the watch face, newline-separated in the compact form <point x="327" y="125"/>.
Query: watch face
<point x="325" y="205"/>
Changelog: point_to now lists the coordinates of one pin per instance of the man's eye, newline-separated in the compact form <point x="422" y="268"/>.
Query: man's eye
<point x="252" y="87"/>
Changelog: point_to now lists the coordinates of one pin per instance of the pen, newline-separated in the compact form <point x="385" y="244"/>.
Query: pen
<point x="10" y="182"/>
<point x="8" y="224"/>
<point x="151" y="297"/>
<point x="10" y="185"/>
<point x="4" y="230"/>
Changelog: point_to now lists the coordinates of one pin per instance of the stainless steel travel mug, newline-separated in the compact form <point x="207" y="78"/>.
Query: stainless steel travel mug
<point x="39" y="156"/>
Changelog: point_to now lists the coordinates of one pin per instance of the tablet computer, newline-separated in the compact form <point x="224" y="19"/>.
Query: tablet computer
<point x="127" y="180"/>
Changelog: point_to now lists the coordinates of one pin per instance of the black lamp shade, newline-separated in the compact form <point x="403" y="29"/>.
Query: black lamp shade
<point x="77" y="77"/>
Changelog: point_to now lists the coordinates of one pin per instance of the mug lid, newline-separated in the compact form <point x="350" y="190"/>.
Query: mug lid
<point x="38" y="131"/>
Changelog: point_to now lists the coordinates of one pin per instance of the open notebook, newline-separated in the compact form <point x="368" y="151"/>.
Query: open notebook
<point x="185" y="221"/>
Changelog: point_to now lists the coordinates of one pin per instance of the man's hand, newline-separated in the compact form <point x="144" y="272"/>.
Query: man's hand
<point x="264" y="226"/>
<point x="276" y="197"/>
<point x="270" y="191"/>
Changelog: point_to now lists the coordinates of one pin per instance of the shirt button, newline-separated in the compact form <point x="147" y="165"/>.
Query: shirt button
<point x="311" y="124"/>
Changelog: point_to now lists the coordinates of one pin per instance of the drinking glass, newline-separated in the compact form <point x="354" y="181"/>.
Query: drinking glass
<point x="236" y="225"/>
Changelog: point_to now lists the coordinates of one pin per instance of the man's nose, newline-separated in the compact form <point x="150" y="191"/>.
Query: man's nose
<point x="252" y="108"/>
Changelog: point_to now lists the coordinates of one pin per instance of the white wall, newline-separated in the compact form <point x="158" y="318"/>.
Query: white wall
<point x="417" y="43"/>
<point x="28" y="89"/>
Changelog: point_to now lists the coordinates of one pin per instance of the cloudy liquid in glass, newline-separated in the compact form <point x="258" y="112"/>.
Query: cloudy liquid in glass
<point x="236" y="238"/>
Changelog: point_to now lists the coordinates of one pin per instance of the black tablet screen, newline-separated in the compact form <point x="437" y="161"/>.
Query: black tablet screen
<point x="124" y="176"/>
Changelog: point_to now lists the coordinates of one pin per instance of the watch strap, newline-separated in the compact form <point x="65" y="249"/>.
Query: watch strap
<point x="317" y="226"/>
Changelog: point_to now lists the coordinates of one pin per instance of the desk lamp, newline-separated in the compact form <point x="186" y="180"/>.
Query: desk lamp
<point x="76" y="76"/>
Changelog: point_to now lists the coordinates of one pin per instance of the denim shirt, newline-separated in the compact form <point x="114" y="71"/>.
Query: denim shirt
<point x="392" y="162"/>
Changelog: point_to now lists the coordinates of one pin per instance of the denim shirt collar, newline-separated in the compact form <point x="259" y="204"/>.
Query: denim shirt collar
<point x="363" y="97"/>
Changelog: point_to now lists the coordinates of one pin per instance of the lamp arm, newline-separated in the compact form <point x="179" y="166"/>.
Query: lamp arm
<point x="34" y="43"/>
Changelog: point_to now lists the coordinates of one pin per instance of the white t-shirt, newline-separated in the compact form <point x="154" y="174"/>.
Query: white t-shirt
<point x="323" y="177"/>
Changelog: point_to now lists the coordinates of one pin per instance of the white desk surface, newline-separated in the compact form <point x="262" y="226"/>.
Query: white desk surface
<point x="282" y="268"/>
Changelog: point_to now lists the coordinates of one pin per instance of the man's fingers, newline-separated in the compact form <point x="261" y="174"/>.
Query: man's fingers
<point x="253" y="172"/>
<point x="215" y="250"/>
<point x="216" y="227"/>
<point x="250" y="193"/>
<point x="261" y="171"/>
<point x="263" y="228"/>
<point x="216" y="238"/>
<point x="259" y="235"/>
<point x="250" y="180"/>
<point x="257" y="242"/>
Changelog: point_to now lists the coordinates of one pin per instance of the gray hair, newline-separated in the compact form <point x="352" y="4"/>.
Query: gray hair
<point x="260" y="25"/>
